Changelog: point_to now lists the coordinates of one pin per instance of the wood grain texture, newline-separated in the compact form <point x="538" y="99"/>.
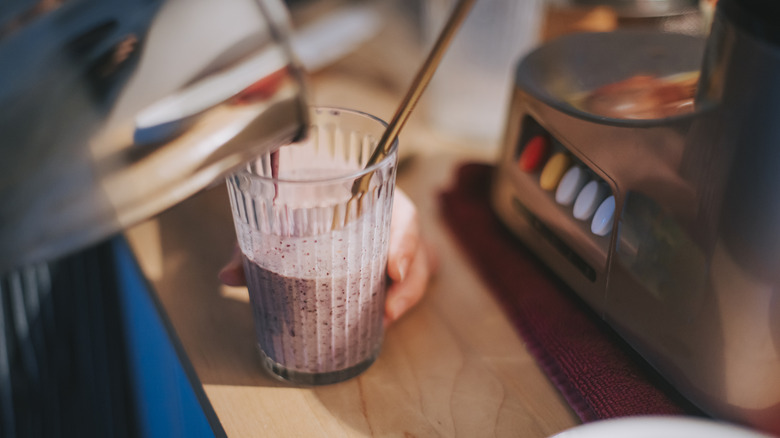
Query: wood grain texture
<point x="453" y="366"/>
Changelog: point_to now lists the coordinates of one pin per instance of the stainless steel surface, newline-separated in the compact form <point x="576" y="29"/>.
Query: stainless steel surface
<point x="689" y="273"/>
<point x="624" y="154"/>
<point x="114" y="111"/>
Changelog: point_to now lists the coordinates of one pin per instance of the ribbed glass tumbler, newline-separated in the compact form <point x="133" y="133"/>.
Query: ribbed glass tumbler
<point x="315" y="254"/>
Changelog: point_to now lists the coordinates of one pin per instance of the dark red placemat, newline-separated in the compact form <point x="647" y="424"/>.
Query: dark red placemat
<point x="597" y="373"/>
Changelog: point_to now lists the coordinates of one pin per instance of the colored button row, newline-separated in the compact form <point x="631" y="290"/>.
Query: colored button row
<point x="572" y="184"/>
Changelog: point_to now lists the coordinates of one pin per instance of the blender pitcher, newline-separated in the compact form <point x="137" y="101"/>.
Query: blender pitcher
<point x="110" y="112"/>
<point x="113" y="111"/>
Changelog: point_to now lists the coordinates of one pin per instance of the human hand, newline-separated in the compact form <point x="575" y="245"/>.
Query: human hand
<point x="410" y="261"/>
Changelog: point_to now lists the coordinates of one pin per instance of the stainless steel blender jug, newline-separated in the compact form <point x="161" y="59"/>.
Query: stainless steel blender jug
<point x="110" y="112"/>
<point x="113" y="111"/>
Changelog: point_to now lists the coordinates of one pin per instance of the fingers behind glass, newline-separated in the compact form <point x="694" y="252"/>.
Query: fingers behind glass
<point x="404" y="237"/>
<point x="403" y="295"/>
<point x="232" y="274"/>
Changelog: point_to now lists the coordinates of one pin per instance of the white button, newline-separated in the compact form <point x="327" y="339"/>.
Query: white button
<point x="603" y="218"/>
<point x="589" y="199"/>
<point x="570" y="185"/>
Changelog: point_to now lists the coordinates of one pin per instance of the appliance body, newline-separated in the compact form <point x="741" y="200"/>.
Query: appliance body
<point x="688" y="271"/>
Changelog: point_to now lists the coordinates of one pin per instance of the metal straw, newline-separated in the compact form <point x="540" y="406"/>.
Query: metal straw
<point x="424" y="75"/>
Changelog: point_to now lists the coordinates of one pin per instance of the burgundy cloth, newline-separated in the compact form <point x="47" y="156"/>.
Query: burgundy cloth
<point x="597" y="373"/>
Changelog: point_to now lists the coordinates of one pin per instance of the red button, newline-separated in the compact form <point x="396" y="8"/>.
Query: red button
<point x="534" y="153"/>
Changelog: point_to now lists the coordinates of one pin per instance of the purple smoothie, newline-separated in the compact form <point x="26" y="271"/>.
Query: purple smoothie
<point x="315" y="322"/>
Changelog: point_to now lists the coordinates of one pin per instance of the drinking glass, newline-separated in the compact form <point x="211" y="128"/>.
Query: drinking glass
<point x="315" y="254"/>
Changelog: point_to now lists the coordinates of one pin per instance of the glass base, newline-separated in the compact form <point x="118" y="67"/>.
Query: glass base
<point x="285" y="374"/>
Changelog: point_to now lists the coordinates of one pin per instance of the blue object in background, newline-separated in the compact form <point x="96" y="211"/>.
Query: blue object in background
<point x="86" y="351"/>
<point x="170" y="399"/>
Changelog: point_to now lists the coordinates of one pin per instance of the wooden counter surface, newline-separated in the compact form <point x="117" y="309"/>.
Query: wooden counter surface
<point x="452" y="367"/>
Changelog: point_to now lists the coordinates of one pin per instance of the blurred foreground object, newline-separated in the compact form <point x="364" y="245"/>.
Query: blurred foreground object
<point x="122" y="109"/>
<point x="112" y="112"/>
